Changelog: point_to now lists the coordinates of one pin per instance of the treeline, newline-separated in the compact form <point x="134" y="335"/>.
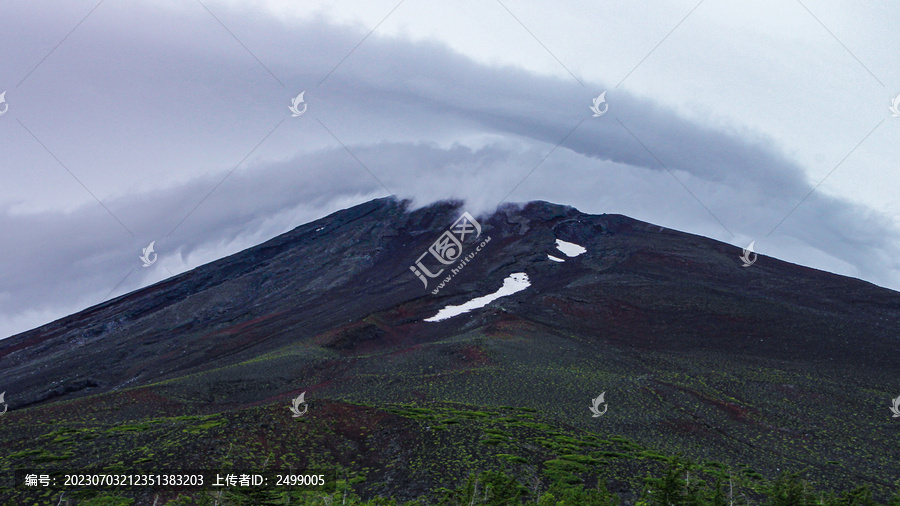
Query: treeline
<point x="675" y="488"/>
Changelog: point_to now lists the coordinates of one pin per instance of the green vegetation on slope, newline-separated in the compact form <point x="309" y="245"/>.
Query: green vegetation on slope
<point x="434" y="453"/>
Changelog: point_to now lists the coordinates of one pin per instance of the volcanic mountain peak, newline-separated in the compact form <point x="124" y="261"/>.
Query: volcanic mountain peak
<point x="537" y="306"/>
<point x="623" y="282"/>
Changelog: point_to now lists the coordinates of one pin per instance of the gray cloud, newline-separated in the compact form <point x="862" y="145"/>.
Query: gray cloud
<point x="152" y="108"/>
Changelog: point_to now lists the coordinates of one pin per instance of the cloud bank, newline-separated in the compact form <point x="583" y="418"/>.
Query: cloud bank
<point x="185" y="137"/>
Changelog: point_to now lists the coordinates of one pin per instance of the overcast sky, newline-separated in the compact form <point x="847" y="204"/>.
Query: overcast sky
<point x="168" y="121"/>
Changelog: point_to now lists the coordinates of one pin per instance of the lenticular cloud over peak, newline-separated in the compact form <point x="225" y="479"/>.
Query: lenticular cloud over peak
<point x="191" y="142"/>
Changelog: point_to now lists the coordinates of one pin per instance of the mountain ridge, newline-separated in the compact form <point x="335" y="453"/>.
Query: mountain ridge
<point x="780" y="364"/>
<point x="424" y="223"/>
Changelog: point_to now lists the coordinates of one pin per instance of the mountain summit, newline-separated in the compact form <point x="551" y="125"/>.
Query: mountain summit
<point x="538" y="307"/>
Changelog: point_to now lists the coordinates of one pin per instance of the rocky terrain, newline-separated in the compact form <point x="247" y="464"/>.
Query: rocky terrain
<point x="745" y="372"/>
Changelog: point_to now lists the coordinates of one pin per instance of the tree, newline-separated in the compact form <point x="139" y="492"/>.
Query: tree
<point x="790" y="490"/>
<point x="676" y="487"/>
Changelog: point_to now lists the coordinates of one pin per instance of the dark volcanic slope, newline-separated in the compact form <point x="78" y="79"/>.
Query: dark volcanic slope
<point x="694" y="351"/>
<point x="636" y="287"/>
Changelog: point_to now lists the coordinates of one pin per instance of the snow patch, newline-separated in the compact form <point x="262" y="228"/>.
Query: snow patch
<point x="551" y="257"/>
<point x="513" y="283"/>
<point x="570" y="249"/>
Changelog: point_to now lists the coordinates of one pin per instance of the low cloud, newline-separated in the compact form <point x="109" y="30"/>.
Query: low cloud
<point x="187" y="141"/>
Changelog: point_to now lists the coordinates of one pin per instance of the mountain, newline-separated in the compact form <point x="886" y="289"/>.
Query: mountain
<point x="755" y="370"/>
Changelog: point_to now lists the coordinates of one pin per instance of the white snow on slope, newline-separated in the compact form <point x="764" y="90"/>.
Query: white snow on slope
<point x="570" y="249"/>
<point x="513" y="283"/>
<point x="551" y="257"/>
